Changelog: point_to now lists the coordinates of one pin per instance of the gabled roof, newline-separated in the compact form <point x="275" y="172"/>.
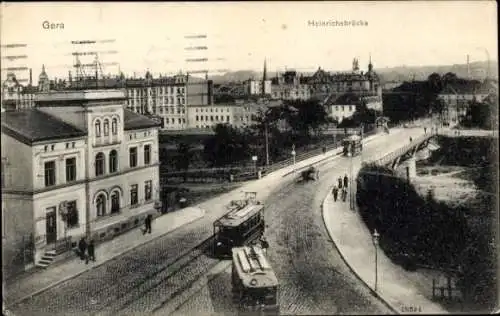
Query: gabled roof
<point x="31" y="125"/>
<point x="343" y="99"/>
<point x="137" y="121"/>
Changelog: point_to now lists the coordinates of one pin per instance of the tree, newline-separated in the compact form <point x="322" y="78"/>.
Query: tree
<point x="306" y="116"/>
<point x="184" y="157"/>
<point x="229" y="145"/>
<point x="435" y="82"/>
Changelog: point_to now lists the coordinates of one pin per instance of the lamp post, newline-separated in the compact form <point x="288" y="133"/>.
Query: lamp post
<point x="254" y="159"/>
<point x="293" y="156"/>
<point x="375" y="243"/>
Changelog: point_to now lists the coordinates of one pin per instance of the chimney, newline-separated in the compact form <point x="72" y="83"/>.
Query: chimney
<point x="468" y="68"/>
<point x="31" y="77"/>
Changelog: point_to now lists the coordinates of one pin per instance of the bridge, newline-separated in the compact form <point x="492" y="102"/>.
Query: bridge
<point x="406" y="155"/>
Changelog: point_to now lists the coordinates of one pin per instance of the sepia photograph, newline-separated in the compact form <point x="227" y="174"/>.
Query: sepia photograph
<point x="249" y="158"/>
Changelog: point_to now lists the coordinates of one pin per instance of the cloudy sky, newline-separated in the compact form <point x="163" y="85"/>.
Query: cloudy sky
<point x="241" y="35"/>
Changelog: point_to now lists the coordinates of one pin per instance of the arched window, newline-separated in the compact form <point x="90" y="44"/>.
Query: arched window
<point x="113" y="161"/>
<point x="114" y="126"/>
<point x="99" y="164"/>
<point x="100" y="203"/>
<point x="98" y="128"/>
<point x="115" y="202"/>
<point x="106" y="127"/>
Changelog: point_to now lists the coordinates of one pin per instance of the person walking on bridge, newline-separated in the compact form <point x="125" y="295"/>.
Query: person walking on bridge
<point x="346" y="181"/>
<point x="425" y="130"/>
<point x="340" y="182"/>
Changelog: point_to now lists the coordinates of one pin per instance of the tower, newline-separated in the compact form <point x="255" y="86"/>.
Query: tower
<point x="43" y="81"/>
<point x="370" y="65"/>
<point x="31" y="78"/>
<point x="264" y="78"/>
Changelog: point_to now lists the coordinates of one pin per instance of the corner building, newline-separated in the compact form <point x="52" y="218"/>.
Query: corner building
<point x="77" y="164"/>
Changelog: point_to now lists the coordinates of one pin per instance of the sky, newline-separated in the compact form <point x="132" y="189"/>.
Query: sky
<point x="240" y="35"/>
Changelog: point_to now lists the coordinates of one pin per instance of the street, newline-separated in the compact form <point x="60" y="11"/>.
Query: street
<point x="314" y="278"/>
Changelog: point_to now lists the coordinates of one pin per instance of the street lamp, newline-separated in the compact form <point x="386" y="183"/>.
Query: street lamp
<point x="293" y="156"/>
<point x="254" y="159"/>
<point x="375" y="243"/>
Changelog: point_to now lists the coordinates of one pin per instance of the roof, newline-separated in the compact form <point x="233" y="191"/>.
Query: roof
<point x="137" y="121"/>
<point x="31" y="125"/>
<point x="253" y="268"/>
<point x="237" y="216"/>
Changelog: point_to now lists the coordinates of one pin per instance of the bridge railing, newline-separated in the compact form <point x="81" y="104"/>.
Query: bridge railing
<point x="393" y="155"/>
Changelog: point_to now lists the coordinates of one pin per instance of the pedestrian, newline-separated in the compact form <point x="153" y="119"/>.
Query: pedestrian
<point x="264" y="244"/>
<point x="340" y="182"/>
<point x="82" y="247"/>
<point x="346" y="180"/>
<point x="91" y="251"/>
<point x="147" y="224"/>
<point x="411" y="139"/>
<point x="344" y="194"/>
<point x="425" y="130"/>
<point x="335" y="192"/>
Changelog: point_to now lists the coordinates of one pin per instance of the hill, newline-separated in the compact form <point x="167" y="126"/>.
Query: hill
<point x="478" y="71"/>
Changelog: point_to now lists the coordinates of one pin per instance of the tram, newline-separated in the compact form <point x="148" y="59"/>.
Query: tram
<point x="353" y="145"/>
<point x="255" y="286"/>
<point x="242" y="225"/>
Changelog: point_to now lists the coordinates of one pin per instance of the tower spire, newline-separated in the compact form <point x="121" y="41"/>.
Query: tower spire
<point x="370" y="65"/>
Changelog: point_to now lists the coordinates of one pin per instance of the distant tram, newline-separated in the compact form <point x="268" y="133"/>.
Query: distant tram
<point x="353" y="145"/>
<point x="242" y="225"/>
<point x="255" y="286"/>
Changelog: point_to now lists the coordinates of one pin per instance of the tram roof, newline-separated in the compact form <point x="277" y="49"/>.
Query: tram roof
<point x="238" y="216"/>
<point x="253" y="268"/>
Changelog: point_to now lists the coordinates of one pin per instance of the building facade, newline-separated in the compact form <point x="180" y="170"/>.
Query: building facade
<point x="290" y="86"/>
<point x="457" y="96"/>
<point x="325" y="85"/>
<point x="78" y="164"/>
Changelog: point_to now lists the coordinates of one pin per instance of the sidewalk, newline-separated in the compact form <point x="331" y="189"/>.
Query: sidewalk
<point x="395" y="286"/>
<point x="39" y="281"/>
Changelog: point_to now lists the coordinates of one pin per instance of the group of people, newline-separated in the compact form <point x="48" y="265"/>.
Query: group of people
<point x="341" y="188"/>
<point x="86" y="251"/>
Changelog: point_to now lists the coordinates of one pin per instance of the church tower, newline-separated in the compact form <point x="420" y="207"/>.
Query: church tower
<point x="43" y="81"/>
<point x="370" y="65"/>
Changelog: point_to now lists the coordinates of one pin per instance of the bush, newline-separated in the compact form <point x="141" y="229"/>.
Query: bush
<point x="419" y="230"/>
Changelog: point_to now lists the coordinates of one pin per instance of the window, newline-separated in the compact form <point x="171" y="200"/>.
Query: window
<point x="114" y="126"/>
<point x="52" y="147"/>
<point x="134" y="198"/>
<point x="70" y="169"/>
<point x="106" y="127"/>
<point x="113" y="161"/>
<point x="115" y="202"/>
<point x="227" y="118"/>
<point x="73" y="145"/>
<point x="72" y="214"/>
<point x="99" y="164"/>
<point x="100" y="203"/>
<point x="67" y="145"/>
<point x="179" y="120"/>
<point x="197" y="118"/>
<point x="133" y="157"/>
<point x="147" y="190"/>
<point x="50" y="173"/>
<point x="98" y="128"/>
<point x="45" y="148"/>
<point x="147" y="154"/>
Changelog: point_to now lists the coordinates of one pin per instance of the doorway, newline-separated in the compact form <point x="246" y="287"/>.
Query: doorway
<point x="51" y="228"/>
